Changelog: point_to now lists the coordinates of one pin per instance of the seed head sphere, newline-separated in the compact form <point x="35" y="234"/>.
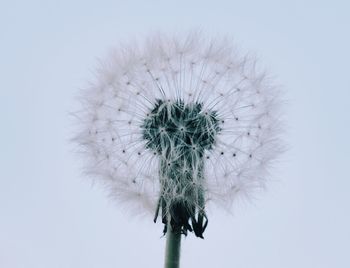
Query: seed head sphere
<point x="173" y="124"/>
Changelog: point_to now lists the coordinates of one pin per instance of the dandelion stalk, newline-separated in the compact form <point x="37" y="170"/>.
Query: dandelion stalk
<point x="176" y="125"/>
<point x="172" y="249"/>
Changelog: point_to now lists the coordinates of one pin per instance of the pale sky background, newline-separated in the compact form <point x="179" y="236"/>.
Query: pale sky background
<point x="52" y="217"/>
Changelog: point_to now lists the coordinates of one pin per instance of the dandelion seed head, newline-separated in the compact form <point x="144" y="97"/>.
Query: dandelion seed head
<point x="178" y="123"/>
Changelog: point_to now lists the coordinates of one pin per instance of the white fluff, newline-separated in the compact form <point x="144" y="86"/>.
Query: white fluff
<point x="192" y="69"/>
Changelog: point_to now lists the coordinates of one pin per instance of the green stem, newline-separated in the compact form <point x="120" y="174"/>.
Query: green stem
<point x="172" y="250"/>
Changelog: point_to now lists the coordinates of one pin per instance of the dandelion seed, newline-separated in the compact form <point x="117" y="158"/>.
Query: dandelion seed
<point x="185" y="122"/>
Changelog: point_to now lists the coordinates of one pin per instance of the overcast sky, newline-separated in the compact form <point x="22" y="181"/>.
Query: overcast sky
<point x="52" y="216"/>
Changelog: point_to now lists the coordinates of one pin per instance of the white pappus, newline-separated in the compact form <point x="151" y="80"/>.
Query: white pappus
<point x="177" y="123"/>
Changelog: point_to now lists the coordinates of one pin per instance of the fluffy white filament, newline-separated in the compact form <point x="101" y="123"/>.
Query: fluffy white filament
<point x="194" y="70"/>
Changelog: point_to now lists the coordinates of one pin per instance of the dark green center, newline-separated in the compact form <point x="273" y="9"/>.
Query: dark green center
<point x="180" y="134"/>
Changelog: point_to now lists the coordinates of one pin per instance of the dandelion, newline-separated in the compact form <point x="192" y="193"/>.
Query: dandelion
<point x="175" y="124"/>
